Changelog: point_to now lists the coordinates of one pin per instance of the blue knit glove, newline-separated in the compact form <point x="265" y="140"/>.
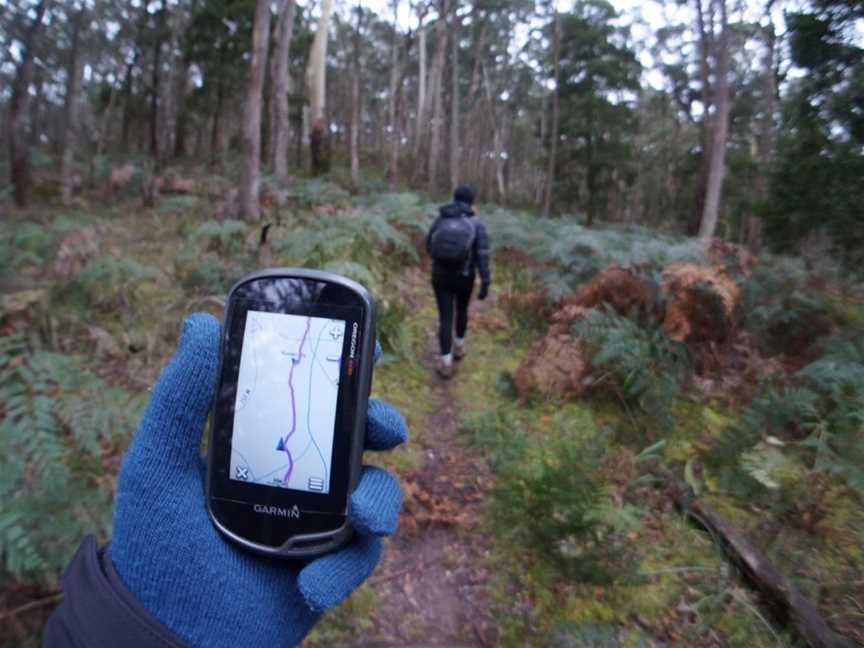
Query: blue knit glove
<point x="205" y="589"/>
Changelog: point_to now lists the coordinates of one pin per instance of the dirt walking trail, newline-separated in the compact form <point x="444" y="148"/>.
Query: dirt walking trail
<point x="431" y="584"/>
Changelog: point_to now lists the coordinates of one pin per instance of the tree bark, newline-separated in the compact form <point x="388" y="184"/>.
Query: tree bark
<point x="355" y="101"/>
<point x="37" y="128"/>
<point x="249" y="206"/>
<point x="497" y="144"/>
<point x="182" y="95"/>
<point x="155" y="86"/>
<point x="281" y="87"/>
<point x="317" y="81"/>
<point x="437" y="83"/>
<point x="455" y="140"/>
<point x="706" y="37"/>
<point x="17" y="125"/>
<point x="717" y="170"/>
<point x="69" y="135"/>
<point x="553" y="144"/>
<point x="393" y="165"/>
<point x="420" y="129"/>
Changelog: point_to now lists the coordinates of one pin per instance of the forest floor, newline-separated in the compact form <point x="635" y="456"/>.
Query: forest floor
<point x="529" y="519"/>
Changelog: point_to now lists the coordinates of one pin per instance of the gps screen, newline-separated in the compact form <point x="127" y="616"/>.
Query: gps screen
<point x="285" y="411"/>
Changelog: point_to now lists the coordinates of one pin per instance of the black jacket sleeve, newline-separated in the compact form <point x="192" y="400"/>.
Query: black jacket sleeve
<point x="429" y="235"/>
<point x="481" y="251"/>
<point x="99" y="612"/>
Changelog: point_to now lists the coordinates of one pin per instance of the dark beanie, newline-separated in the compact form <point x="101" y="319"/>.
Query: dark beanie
<point x="464" y="194"/>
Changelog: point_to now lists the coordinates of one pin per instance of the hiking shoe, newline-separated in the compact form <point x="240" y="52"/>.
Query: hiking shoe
<point x="458" y="351"/>
<point x="444" y="370"/>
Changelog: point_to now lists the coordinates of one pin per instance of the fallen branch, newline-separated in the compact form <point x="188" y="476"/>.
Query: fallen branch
<point x="785" y="601"/>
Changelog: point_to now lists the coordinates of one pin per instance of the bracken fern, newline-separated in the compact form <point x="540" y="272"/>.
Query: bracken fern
<point x="56" y="422"/>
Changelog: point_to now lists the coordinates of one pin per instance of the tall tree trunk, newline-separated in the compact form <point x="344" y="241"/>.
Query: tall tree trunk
<point x="497" y="140"/>
<point x="317" y="82"/>
<point x="540" y="188"/>
<point x="281" y="87"/>
<point x="69" y="135"/>
<point x="437" y="83"/>
<point x="155" y="85"/>
<point x="455" y="140"/>
<point x="37" y="128"/>
<point x="249" y="206"/>
<point x="182" y="93"/>
<point x="420" y="129"/>
<point x="126" y="125"/>
<point x="392" y="119"/>
<point x="717" y="170"/>
<point x="17" y="125"/>
<point x="553" y="143"/>
<point x="355" y="101"/>
<point x="217" y="153"/>
<point x="105" y="128"/>
<point x="706" y="37"/>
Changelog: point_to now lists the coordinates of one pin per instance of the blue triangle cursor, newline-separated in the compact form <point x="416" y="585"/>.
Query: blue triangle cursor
<point x="281" y="445"/>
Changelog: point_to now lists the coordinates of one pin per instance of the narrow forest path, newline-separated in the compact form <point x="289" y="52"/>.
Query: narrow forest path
<point x="431" y="584"/>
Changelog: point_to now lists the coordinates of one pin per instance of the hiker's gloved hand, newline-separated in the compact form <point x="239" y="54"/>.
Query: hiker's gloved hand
<point x="205" y="589"/>
<point x="484" y="291"/>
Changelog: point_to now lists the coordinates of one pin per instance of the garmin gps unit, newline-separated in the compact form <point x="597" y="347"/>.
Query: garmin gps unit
<point x="288" y="420"/>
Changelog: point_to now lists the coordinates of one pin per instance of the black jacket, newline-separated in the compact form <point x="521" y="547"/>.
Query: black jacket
<point x="99" y="612"/>
<point x="480" y="253"/>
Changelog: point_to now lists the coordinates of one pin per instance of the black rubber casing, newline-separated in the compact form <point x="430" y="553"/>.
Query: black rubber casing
<point x="291" y="523"/>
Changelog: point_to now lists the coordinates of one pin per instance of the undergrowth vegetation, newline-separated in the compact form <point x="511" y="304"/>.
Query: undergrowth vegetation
<point x="584" y="546"/>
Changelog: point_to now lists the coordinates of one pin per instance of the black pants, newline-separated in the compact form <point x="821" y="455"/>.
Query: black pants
<point x="450" y="289"/>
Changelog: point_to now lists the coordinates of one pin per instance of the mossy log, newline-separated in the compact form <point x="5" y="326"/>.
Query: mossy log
<point x="789" y="607"/>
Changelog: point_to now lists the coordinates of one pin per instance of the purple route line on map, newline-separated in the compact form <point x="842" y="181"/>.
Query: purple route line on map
<point x="294" y="363"/>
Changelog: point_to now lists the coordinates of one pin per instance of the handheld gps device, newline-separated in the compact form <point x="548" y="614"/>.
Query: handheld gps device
<point x="287" y="426"/>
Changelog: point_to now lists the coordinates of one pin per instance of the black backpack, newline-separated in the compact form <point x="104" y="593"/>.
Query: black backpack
<point x="452" y="241"/>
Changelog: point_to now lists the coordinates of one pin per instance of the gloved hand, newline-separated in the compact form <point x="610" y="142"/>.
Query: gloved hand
<point x="205" y="589"/>
<point x="484" y="291"/>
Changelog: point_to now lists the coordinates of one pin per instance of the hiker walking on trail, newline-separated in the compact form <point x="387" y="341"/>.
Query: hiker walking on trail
<point x="459" y="247"/>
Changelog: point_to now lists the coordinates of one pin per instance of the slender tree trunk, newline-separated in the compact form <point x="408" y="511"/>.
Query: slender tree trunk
<point x="540" y="193"/>
<point x="437" y="82"/>
<point x="478" y="60"/>
<point x="249" y="206"/>
<point x="126" y="126"/>
<point x="355" y="101"/>
<point x="421" y="93"/>
<point x="706" y="35"/>
<point x="107" y="117"/>
<point x="717" y="169"/>
<point x="155" y="84"/>
<point x="553" y="144"/>
<point x="317" y="80"/>
<point x="393" y="166"/>
<point x="455" y="140"/>
<point x="497" y="144"/>
<point x="281" y="87"/>
<point x="37" y="128"/>
<point x="269" y="128"/>
<point x="182" y="95"/>
<point x="217" y="154"/>
<point x="69" y="135"/>
<point x="17" y="125"/>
